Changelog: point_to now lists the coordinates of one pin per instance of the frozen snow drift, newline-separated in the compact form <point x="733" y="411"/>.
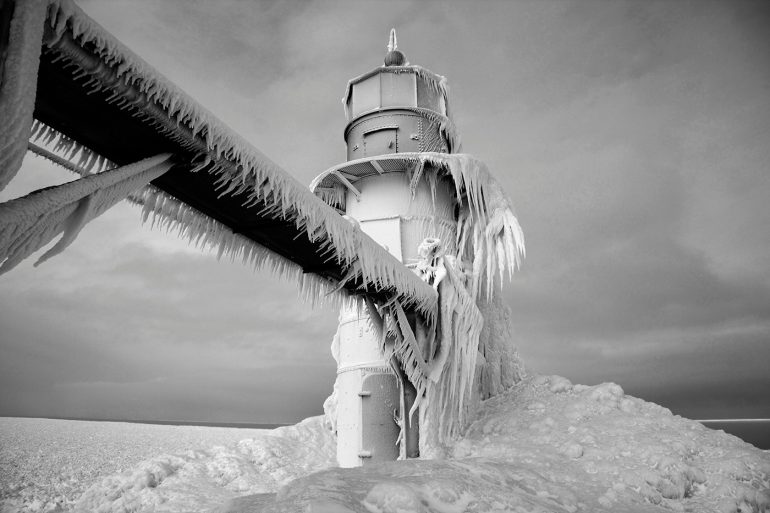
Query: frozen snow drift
<point x="545" y="445"/>
<point x="548" y="446"/>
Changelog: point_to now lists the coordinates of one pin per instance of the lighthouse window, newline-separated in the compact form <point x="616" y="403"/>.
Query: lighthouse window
<point x="398" y="89"/>
<point x="366" y="95"/>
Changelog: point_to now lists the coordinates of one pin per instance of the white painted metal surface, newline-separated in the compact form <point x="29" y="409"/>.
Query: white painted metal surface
<point x="359" y="357"/>
<point x="387" y="212"/>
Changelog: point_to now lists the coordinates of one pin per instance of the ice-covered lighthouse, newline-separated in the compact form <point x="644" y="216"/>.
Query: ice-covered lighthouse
<point x="405" y="382"/>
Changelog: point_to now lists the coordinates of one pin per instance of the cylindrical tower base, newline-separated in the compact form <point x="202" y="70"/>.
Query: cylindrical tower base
<point x="367" y="395"/>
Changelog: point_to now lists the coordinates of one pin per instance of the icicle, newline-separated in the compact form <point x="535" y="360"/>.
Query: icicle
<point x="74" y="224"/>
<point x="392" y="43"/>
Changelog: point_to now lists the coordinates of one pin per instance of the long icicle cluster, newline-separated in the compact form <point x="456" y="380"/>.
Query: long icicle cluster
<point x="165" y="212"/>
<point x="489" y="238"/>
<point x="487" y="227"/>
<point x="451" y="378"/>
<point x="485" y="244"/>
<point x="68" y="149"/>
<point x="488" y="233"/>
<point x="438" y="357"/>
<point x="447" y="361"/>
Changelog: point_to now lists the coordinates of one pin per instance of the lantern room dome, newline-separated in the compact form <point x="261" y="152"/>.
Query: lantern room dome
<point x="394" y="57"/>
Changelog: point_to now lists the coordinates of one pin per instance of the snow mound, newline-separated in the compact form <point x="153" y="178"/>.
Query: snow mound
<point x="198" y="480"/>
<point x="633" y="452"/>
<point x="546" y="445"/>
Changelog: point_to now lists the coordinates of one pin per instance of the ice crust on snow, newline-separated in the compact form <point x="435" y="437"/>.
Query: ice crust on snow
<point x="201" y="479"/>
<point x="543" y="445"/>
<point x="59" y="465"/>
<point x="548" y="446"/>
<point x="49" y="463"/>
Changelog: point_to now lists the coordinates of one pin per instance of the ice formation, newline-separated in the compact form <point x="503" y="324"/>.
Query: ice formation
<point x="95" y="467"/>
<point x="439" y="353"/>
<point x="488" y="233"/>
<point x="65" y="151"/>
<point x="30" y="222"/>
<point x="547" y="445"/>
<point x="47" y="464"/>
<point x="452" y="353"/>
<point x="18" y="85"/>
<point x="200" y="479"/>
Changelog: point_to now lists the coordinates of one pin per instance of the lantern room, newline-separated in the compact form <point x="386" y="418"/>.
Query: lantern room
<point x="389" y="110"/>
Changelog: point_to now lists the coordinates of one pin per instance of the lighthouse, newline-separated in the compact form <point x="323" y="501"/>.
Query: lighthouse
<point x="404" y="383"/>
<point x="393" y="112"/>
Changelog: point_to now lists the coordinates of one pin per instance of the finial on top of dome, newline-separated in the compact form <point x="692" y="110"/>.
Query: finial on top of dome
<point x="394" y="57"/>
<point x="393" y="43"/>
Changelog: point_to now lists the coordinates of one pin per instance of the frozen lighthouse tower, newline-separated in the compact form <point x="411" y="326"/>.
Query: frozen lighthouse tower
<point x="406" y="187"/>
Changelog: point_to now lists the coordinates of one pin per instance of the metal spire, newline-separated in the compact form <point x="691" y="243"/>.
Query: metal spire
<point x="394" y="57"/>
<point x="393" y="43"/>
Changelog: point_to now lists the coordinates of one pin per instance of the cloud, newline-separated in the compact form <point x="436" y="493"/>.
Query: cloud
<point x="630" y="136"/>
<point x="129" y="319"/>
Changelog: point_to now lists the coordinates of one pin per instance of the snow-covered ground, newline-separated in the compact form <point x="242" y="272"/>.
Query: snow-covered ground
<point x="47" y="464"/>
<point x="549" y="446"/>
<point x="543" y="446"/>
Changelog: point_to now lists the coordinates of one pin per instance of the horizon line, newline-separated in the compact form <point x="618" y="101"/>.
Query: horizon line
<point x="732" y="420"/>
<point x="178" y="421"/>
<point x="147" y="421"/>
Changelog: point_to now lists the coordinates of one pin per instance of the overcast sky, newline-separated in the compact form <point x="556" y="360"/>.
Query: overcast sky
<point x="633" y="139"/>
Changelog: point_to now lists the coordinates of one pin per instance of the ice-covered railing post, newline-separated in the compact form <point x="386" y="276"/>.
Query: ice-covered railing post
<point x="442" y="214"/>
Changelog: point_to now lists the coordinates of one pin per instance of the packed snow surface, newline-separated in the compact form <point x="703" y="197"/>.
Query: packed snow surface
<point x="548" y="446"/>
<point x="63" y="465"/>
<point x="545" y="445"/>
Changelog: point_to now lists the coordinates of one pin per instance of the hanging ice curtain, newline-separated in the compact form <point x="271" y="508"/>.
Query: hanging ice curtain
<point x="30" y="222"/>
